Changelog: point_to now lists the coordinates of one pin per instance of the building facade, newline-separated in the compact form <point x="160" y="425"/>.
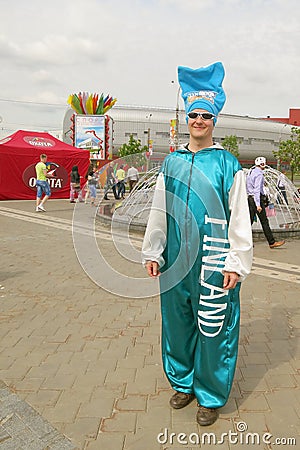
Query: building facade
<point x="257" y="137"/>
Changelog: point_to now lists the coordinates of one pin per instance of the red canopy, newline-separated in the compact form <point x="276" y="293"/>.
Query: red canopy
<point x="19" y="154"/>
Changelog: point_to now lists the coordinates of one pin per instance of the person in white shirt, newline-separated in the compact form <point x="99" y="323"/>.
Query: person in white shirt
<point x="132" y="177"/>
<point x="282" y="196"/>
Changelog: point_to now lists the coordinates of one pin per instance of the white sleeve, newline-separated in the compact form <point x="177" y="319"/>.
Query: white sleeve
<point x="156" y="231"/>
<point x="239" y="258"/>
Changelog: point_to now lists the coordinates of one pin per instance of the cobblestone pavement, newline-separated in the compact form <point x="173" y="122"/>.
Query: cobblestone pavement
<point x="82" y="367"/>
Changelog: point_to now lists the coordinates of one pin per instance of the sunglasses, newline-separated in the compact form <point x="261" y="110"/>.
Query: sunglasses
<point x="204" y="116"/>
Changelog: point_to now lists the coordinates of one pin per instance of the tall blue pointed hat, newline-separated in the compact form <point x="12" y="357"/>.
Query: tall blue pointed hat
<point x="202" y="88"/>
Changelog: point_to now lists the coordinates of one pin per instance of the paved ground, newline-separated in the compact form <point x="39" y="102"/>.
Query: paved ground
<point x="82" y="367"/>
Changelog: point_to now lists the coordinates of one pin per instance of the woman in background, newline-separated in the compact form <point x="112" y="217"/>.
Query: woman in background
<point x="75" y="190"/>
<point x="92" y="185"/>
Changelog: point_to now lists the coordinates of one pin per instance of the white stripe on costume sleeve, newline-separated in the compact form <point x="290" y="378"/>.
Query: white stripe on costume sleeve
<point x="239" y="258"/>
<point x="156" y="231"/>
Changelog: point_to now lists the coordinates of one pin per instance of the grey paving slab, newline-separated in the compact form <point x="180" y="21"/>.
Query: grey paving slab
<point x="83" y="365"/>
<point x="21" y="427"/>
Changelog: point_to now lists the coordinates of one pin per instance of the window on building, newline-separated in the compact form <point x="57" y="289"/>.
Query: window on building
<point x="127" y="134"/>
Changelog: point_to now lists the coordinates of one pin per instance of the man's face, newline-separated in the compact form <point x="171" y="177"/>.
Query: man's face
<point x="44" y="160"/>
<point x="200" y="128"/>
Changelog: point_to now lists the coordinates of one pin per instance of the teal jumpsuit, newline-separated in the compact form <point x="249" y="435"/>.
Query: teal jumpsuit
<point x="200" y="320"/>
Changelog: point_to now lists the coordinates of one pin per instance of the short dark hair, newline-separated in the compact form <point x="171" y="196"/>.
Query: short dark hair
<point x="42" y="156"/>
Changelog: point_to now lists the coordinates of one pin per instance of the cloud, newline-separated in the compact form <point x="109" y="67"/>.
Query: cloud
<point x="8" y="50"/>
<point x="59" y="50"/>
<point x="132" y="49"/>
<point x="45" y="78"/>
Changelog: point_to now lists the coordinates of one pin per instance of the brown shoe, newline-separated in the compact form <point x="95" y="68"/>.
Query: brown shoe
<point x="277" y="244"/>
<point x="206" y="416"/>
<point x="180" y="400"/>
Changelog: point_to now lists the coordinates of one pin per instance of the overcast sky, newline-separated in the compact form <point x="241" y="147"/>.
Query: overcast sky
<point x="131" y="50"/>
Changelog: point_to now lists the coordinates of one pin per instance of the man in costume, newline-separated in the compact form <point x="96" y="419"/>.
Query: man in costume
<point x="255" y="190"/>
<point x="198" y="239"/>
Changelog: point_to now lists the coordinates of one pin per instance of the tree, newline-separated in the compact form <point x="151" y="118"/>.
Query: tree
<point x="289" y="151"/>
<point x="231" y="143"/>
<point x="133" y="152"/>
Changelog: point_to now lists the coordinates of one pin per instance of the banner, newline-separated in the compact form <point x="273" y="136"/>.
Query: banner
<point x="150" y="149"/>
<point x="173" y="135"/>
<point x="90" y="134"/>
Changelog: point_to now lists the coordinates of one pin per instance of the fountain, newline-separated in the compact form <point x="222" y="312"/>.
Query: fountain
<point x="136" y="207"/>
<point x="134" y="210"/>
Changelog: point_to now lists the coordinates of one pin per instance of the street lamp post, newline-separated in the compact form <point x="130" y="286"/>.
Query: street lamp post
<point x="148" y="132"/>
<point x="149" y="147"/>
<point x="176" y="134"/>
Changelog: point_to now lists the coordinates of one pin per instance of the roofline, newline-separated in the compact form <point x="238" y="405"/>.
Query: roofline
<point x="182" y="111"/>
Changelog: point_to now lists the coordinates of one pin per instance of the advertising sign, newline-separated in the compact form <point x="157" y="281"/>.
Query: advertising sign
<point x="173" y="134"/>
<point x="37" y="141"/>
<point x="59" y="180"/>
<point x="90" y="134"/>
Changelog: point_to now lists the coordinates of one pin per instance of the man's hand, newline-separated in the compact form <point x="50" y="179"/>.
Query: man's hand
<point x="48" y="174"/>
<point x="152" y="269"/>
<point x="230" y="280"/>
<point x="259" y="209"/>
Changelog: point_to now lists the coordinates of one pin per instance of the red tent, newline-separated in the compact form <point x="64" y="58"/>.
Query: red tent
<point x="19" y="154"/>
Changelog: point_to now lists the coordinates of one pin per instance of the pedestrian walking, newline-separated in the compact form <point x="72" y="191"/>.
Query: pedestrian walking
<point x="257" y="199"/>
<point x="111" y="182"/>
<point x="132" y="177"/>
<point x="281" y="189"/>
<point x="93" y="181"/>
<point x="199" y="240"/>
<point x="42" y="184"/>
<point x="120" y="174"/>
<point x="75" y="189"/>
